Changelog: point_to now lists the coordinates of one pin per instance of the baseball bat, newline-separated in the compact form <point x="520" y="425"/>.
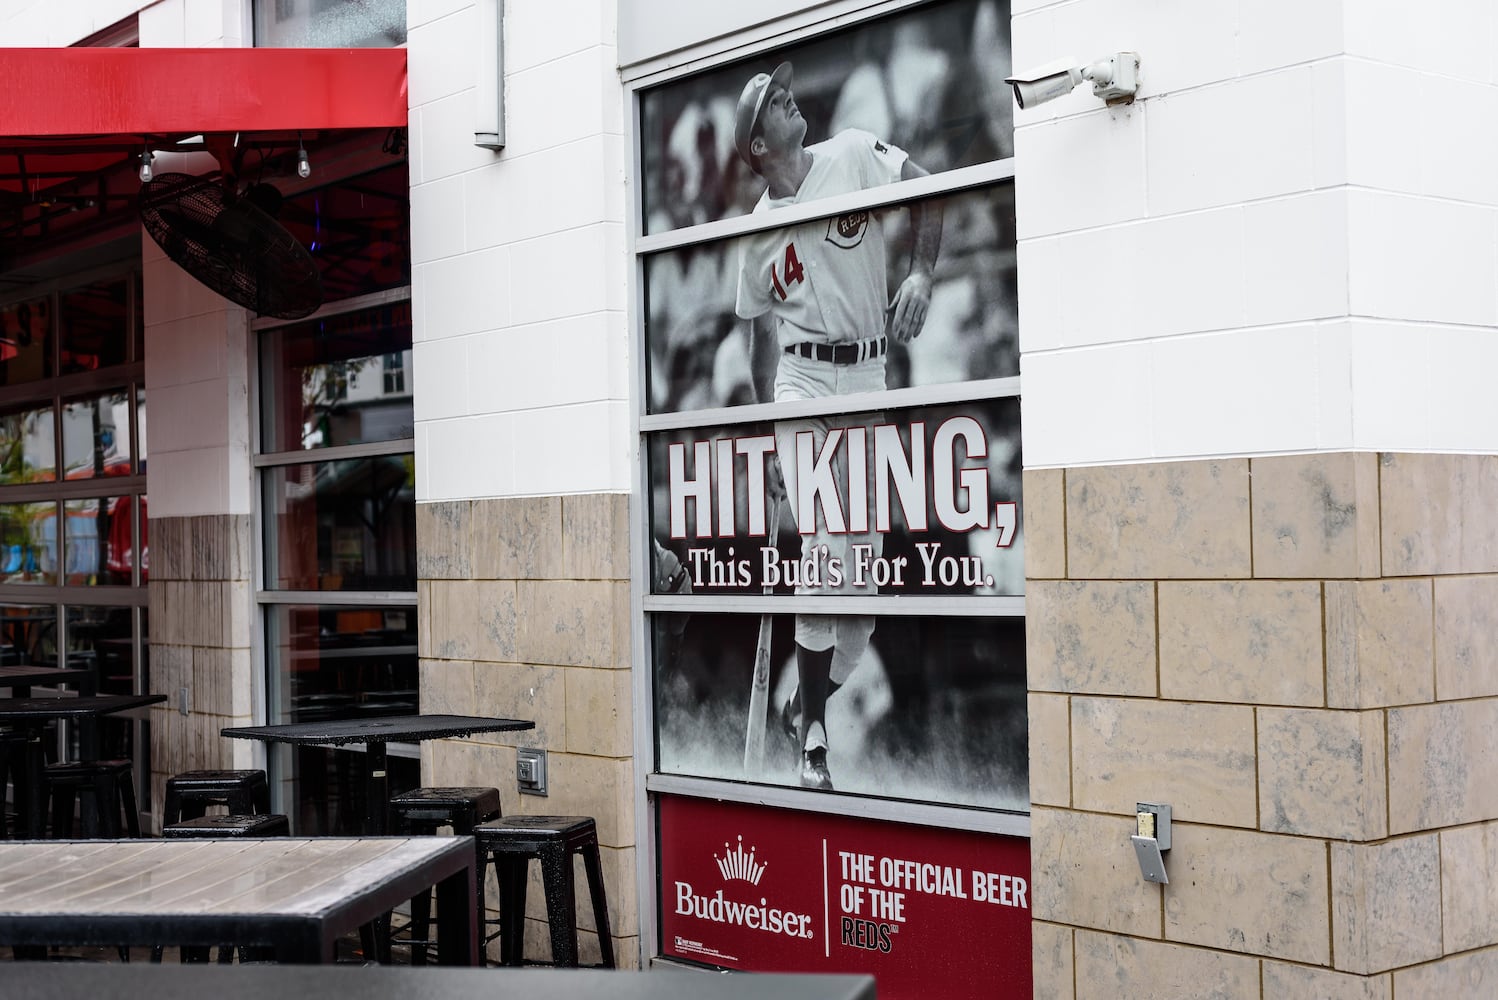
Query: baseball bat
<point x="759" y="690"/>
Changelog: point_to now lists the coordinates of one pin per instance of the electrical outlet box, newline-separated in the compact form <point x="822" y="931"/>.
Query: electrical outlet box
<point x="1151" y="840"/>
<point x="530" y="771"/>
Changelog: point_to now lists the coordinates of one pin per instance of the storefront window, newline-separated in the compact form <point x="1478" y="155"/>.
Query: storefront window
<point x="73" y="527"/>
<point x="836" y="597"/>
<point x="337" y="476"/>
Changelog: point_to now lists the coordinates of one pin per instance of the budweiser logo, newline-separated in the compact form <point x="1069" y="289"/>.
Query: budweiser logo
<point x="735" y="864"/>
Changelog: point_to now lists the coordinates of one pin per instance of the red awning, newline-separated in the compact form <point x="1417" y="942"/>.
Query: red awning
<point x="139" y="92"/>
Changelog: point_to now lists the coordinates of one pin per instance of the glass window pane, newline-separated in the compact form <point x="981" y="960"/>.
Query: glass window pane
<point x="100" y="638"/>
<point x="342" y="525"/>
<point x="25" y="342"/>
<point x="22" y="631"/>
<point x="28" y="543"/>
<point x="332" y="381"/>
<point x="330" y="23"/>
<point x="934" y="711"/>
<point x="140" y="426"/>
<point x="94" y="326"/>
<point x="96" y="435"/>
<point x="28" y="447"/>
<point x="97" y="546"/>
<point x="339" y="662"/>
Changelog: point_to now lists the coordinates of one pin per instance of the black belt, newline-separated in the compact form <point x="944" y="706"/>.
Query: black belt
<point x="841" y="354"/>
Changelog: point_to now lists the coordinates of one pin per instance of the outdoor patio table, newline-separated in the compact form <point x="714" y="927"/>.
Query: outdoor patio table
<point x="35" y="981"/>
<point x="20" y="677"/>
<point x="297" y="897"/>
<point x="33" y="714"/>
<point x="375" y="733"/>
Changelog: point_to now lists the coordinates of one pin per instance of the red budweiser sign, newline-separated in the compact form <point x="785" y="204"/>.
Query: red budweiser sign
<point x="930" y="912"/>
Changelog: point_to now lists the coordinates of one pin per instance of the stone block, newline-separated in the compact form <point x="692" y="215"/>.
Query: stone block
<point x="1169" y="520"/>
<point x="1045" y="523"/>
<point x="1083" y="872"/>
<point x="1440" y="771"/>
<point x="1250" y="641"/>
<point x="1257" y="893"/>
<point x="1466" y="637"/>
<point x="1052" y="971"/>
<point x="1437" y="513"/>
<point x="517" y="538"/>
<point x="1282" y="980"/>
<point x="1380" y="643"/>
<point x="1315" y="516"/>
<point x="444" y="540"/>
<point x="1469" y="887"/>
<point x="1050" y="749"/>
<point x="595" y="536"/>
<point x="1098" y="637"/>
<point x="572" y="623"/>
<point x="521" y="691"/>
<point x="1386" y="904"/>
<point x="1322" y="773"/>
<point x="598" y="712"/>
<point x="1199" y="758"/>
<point x="1110" y="966"/>
<point x="601" y="787"/>
<point x="1471" y="975"/>
<point x="447" y="687"/>
<point x="474" y="620"/>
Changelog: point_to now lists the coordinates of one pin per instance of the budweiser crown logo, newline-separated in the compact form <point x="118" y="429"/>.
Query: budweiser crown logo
<point x="735" y="864"/>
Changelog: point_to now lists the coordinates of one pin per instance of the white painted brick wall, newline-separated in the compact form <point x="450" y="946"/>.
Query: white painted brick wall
<point x="519" y="258"/>
<point x="1313" y="263"/>
<point x="197" y="343"/>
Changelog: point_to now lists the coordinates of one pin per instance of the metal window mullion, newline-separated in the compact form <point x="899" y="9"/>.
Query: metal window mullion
<point x="935" y="185"/>
<point x="332" y="598"/>
<point x="339" y="308"/>
<point x="943" y="394"/>
<point x="975" y="818"/>
<point x="883" y="605"/>
<point x="338" y="453"/>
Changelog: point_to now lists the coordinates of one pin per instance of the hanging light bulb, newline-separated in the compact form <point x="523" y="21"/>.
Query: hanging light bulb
<point x="146" y="173"/>
<point x="303" y="167"/>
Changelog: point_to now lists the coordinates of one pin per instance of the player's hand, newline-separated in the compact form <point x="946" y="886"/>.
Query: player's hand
<point x="907" y="312"/>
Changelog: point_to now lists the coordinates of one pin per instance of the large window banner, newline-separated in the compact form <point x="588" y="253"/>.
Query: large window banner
<point x="876" y="702"/>
<point x="710" y="308"/>
<point x="930" y="912"/>
<point x="927" y="82"/>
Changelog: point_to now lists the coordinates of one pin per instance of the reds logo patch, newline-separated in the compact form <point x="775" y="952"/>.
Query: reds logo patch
<point x="847" y="231"/>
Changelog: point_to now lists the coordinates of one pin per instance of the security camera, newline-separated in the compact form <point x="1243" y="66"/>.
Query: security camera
<point x="1115" y="79"/>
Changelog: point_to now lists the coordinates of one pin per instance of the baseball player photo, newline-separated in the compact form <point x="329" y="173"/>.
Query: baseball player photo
<point x="822" y="321"/>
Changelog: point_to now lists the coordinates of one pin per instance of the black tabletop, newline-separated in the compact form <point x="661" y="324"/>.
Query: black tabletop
<point x="51" y="981"/>
<point x="35" y="673"/>
<point x="378" y="729"/>
<point x="22" y="709"/>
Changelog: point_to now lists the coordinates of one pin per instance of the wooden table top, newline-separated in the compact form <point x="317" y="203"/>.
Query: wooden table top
<point x="168" y="879"/>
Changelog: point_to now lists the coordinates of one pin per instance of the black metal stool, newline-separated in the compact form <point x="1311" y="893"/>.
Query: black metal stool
<point x="189" y="794"/>
<point x="553" y="840"/>
<point x="13" y="746"/>
<point x="106" y="789"/>
<point x="233" y="825"/>
<point x="420" y="812"/>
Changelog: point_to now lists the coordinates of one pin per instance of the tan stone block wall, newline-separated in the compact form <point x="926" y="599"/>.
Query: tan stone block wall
<point x="202" y="610"/>
<point x="524" y="612"/>
<point x="1300" y="655"/>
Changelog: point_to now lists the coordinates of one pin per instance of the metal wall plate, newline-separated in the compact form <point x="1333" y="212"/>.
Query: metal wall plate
<point x="530" y="771"/>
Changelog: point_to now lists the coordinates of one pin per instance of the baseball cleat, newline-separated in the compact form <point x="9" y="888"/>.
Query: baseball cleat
<point x="814" y="773"/>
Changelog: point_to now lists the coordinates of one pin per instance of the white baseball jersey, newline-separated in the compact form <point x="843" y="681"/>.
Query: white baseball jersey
<point x="824" y="280"/>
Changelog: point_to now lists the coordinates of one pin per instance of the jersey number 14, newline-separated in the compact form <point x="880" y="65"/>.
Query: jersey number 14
<point x="794" y="272"/>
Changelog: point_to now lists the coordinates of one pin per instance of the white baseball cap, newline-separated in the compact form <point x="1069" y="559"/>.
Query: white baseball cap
<point x="752" y="102"/>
